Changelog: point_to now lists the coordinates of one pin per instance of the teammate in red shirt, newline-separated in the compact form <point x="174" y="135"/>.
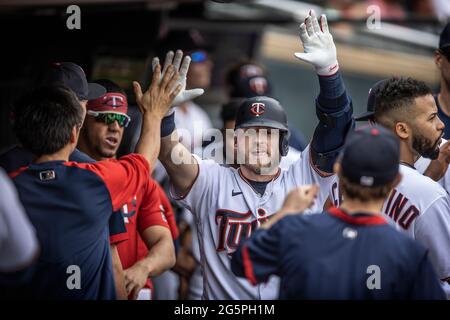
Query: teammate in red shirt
<point x="149" y="250"/>
<point x="75" y="262"/>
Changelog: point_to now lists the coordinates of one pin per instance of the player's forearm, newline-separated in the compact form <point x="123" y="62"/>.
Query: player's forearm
<point x="334" y="111"/>
<point x="179" y="163"/>
<point x="161" y="256"/>
<point x="119" y="278"/>
<point x="149" y="140"/>
<point x="436" y="170"/>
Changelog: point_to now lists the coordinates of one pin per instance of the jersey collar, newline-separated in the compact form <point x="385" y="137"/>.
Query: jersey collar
<point x="247" y="180"/>
<point x="356" y="219"/>
<point x="407" y="165"/>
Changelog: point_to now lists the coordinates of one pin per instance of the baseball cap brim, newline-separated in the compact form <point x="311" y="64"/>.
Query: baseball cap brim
<point x="95" y="91"/>
<point x="364" y="116"/>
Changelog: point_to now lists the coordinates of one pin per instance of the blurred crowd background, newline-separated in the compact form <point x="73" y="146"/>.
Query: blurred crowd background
<point x="118" y="38"/>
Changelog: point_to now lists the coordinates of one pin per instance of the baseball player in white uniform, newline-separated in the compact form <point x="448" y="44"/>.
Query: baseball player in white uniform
<point x="227" y="203"/>
<point x="418" y="206"/>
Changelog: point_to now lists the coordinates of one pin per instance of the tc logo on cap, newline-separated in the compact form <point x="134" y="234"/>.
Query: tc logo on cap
<point x="258" y="108"/>
<point x="114" y="101"/>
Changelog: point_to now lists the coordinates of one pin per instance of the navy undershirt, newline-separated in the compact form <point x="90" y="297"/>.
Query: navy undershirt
<point x="260" y="187"/>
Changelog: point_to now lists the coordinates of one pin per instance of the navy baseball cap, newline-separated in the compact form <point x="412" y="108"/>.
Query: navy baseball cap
<point x="72" y="76"/>
<point x="371" y="100"/>
<point x="444" y="40"/>
<point x="371" y="156"/>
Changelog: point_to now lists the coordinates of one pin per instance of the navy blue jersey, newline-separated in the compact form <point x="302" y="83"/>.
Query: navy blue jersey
<point x="70" y="204"/>
<point x="335" y="255"/>
<point x="16" y="157"/>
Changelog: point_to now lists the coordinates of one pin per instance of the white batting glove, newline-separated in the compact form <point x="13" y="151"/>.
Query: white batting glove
<point x="184" y="95"/>
<point x="318" y="44"/>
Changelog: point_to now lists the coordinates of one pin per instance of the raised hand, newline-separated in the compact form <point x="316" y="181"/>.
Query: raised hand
<point x="318" y="45"/>
<point x="161" y="93"/>
<point x="182" y="66"/>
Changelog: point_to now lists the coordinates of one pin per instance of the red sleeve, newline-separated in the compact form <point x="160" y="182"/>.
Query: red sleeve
<point x="168" y="212"/>
<point x="150" y="210"/>
<point x="123" y="177"/>
<point x="118" y="238"/>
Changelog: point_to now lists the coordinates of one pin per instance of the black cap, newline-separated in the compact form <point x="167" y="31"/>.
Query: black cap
<point x="371" y="100"/>
<point x="444" y="40"/>
<point x="371" y="156"/>
<point x="72" y="76"/>
<point x="261" y="112"/>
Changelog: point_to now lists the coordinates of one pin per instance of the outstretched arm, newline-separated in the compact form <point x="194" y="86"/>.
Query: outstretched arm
<point x="178" y="161"/>
<point x="154" y="104"/>
<point x="333" y="106"/>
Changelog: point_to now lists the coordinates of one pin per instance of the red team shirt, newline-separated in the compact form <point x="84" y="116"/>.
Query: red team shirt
<point x="149" y="207"/>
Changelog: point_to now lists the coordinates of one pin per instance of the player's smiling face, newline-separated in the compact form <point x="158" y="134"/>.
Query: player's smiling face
<point x="427" y="128"/>
<point x="258" y="148"/>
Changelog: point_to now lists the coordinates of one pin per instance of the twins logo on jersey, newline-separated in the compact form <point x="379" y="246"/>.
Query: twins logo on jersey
<point x="399" y="210"/>
<point x="129" y="210"/>
<point x="163" y="212"/>
<point x="235" y="226"/>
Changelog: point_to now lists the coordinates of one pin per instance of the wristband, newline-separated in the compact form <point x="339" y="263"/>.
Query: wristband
<point x="168" y="125"/>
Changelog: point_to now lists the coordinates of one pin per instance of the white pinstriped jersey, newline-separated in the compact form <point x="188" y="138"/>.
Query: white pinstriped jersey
<point x="420" y="207"/>
<point x="227" y="209"/>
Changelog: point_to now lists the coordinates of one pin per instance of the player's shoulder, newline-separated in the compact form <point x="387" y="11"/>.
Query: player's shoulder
<point x="401" y="245"/>
<point x="78" y="156"/>
<point x="304" y="167"/>
<point x="311" y="223"/>
<point x="14" y="157"/>
<point x="422" y="186"/>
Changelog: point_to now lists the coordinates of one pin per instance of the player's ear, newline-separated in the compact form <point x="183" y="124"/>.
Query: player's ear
<point x="75" y="134"/>
<point x="438" y="59"/>
<point x="402" y="130"/>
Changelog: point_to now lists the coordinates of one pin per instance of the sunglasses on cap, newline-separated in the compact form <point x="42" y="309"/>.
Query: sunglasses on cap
<point x="110" y="117"/>
<point x="199" y="56"/>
